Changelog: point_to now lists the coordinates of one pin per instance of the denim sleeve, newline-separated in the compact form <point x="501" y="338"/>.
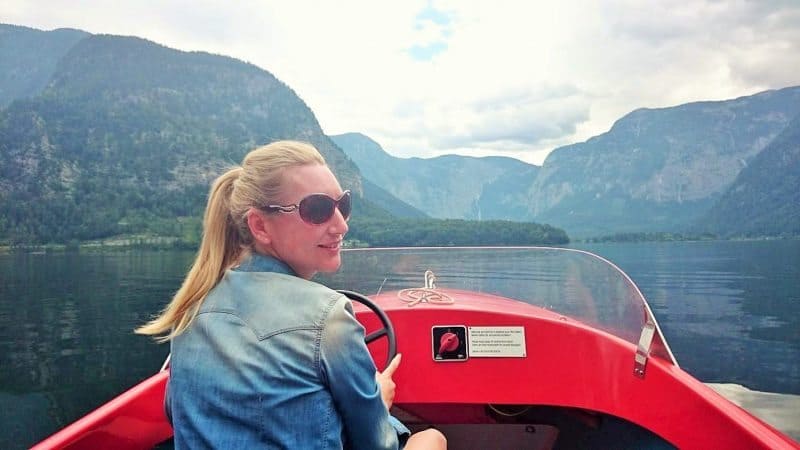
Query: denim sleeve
<point x="348" y="369"/>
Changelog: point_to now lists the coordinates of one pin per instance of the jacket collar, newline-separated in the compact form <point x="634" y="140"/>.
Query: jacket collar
<point x="258" y="262"/>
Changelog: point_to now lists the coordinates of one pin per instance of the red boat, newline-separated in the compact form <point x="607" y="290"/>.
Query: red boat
<point x="525" y="348"/>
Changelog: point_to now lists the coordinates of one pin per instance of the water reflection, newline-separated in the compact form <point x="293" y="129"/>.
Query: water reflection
<point x="66" y="340"/>
<point x="730" y="310"/>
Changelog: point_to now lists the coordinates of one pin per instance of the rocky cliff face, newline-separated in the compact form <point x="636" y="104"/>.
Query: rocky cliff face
<point x="658" y="169"/>
<point x="765" y="197"/>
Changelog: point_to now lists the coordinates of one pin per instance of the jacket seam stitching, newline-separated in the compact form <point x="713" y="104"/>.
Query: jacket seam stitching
<point x="320" y="330"/>
<point x="259" y="336"/>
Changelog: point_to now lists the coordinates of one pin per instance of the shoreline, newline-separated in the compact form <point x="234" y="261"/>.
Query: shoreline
<point x="174" y="243"/>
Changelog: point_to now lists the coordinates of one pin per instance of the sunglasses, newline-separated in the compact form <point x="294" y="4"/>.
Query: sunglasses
<point x="317" y="209"/>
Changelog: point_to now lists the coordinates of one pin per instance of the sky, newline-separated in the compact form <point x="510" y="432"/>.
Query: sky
<point x="511" y="78"/>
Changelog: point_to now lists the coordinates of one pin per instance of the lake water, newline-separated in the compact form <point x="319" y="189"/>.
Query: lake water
<point x="730" y="311"/>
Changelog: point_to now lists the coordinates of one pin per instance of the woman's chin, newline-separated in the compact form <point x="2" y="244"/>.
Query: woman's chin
<point x="332" y="265"/>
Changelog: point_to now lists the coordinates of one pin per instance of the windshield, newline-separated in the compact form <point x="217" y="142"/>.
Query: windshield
<point x="570" y="282"/>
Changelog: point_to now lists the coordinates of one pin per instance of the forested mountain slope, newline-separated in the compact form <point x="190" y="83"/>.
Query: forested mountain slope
<point x="128" y="134"/>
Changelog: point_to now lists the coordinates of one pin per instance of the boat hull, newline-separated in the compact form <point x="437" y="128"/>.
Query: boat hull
<point x="573" y="385"/>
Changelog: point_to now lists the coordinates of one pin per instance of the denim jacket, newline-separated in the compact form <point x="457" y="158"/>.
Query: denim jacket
<point x="275" y="361"/>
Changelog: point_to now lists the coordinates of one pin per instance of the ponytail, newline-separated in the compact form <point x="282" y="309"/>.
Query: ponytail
<point x="226" y="236"/>
<point x="219" y="250"/>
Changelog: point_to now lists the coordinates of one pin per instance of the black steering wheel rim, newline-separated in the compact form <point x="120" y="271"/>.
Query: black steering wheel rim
<point x="387" y="330"/>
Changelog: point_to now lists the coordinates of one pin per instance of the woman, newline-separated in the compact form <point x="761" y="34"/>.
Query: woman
<point x="261" y="356"/>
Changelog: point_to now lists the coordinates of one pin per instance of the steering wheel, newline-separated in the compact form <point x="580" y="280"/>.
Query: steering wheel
<point x="387" y="330"/>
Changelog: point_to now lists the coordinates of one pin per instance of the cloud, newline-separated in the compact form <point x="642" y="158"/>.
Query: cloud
<point x="519" y="116"/>
<point x="432" y="28"/>
<point x="510" y="77"/>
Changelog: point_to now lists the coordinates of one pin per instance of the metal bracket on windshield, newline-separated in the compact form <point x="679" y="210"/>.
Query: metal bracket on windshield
<point x="643" y="349"/>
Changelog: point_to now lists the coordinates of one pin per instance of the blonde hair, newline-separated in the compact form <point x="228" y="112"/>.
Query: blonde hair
<point x="226" y="236"/>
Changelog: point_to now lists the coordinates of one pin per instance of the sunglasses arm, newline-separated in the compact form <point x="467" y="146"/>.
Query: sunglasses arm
<point x="279" y="208"/>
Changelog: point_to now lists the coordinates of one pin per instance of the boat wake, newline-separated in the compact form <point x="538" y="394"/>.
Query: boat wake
<point x="778" y="410"/>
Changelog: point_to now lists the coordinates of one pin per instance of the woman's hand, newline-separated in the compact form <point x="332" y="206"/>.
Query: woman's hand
<point x="386" y="383"/>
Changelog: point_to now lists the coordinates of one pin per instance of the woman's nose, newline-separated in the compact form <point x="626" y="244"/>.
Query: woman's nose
<point x="338" y="225"/>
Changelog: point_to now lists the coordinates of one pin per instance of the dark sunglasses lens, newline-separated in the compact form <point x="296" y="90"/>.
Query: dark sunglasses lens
<point x="345" y="205"/>
<point x="317" y="209"/>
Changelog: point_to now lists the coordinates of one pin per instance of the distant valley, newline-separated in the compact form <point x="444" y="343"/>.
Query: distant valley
<point x="448" y="187"/>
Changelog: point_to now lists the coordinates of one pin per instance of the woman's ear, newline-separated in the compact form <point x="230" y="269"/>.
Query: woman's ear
<point x="260" y="227"/>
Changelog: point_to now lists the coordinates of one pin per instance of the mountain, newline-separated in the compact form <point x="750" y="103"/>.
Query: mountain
<point x="104" y="135"/>
<point x="658" y="169"/>
<point x="448" y="186"/>
<point x="390" y="203"/>
<point x="122" y="136"/>
<point x="765" y="197"/>
<point x="28" y="58"/>
<point x="655" y="170"/>
<point x="125" y="135"/>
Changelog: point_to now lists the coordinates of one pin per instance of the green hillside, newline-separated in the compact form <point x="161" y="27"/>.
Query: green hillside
<point x="128" y="135"/>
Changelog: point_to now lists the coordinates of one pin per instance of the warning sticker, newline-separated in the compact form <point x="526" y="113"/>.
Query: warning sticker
<point x="496" y="342"/>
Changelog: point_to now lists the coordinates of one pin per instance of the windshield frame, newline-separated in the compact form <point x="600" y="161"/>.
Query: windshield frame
<point x="572" y="282"/>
